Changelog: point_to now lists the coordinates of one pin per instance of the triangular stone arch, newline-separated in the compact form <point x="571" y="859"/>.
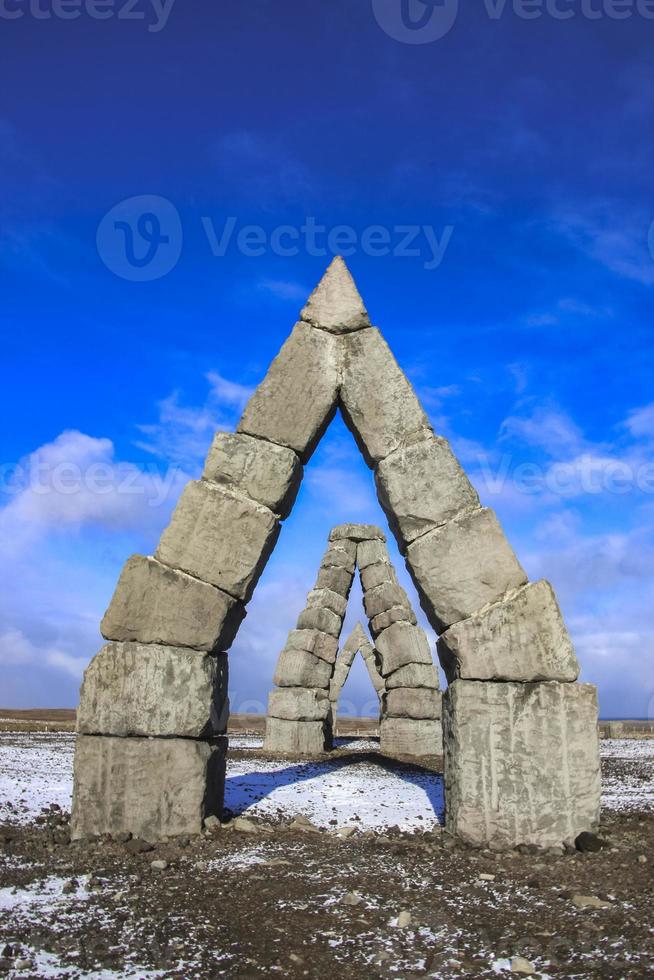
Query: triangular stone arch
<point x="311" y="670"/>
<point x="172" y="617"/>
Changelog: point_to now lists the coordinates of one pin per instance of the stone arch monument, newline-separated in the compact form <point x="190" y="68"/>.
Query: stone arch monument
<point x="520" y="735"/>
<point x="310" y="673"/>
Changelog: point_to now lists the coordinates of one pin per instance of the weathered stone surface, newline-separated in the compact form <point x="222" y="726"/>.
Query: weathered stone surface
<point x="321" y="645"/>
<point x="264" y="471"/>
<point x="402" y="644"/>
<point x="320" y="618"/>
<point x="337" y="579"/>
<point x="298" y="704"/>
<point x="157" y="604"/>
<point x="357" y="532"/>
<point x="330" y="600"/>
<point x="335" y="303"/>
<point x="346" y="545"/>
<point x="297" y="668"/>
<point x="413" y="702"/>
<point x="414" y="675"/>
<point x="219" y="537"/>
<point x="521" y="638"/>
<point x="409" y="736"/>
<point x="371" y="552"/>
<point x="338" y="558"/>
<point x="521" y="762"/>
<point x="378" y="403"/>
<point x="145" y="689"/>
<point x="373" y="673"/>
<point x="296" y="400"/>
<point x="296" y="737"/>
<point x="460" y="567"/>
<point x="356" y="640"/>
<point x="422" y="486"/>
<point x="377" y="574"/>
<point x="149" y="787"/>
<point x="384" y="597"/>
<point x="396" y="614"/>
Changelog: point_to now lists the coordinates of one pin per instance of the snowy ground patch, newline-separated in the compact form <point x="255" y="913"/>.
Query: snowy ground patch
<point x="36" y="770"/>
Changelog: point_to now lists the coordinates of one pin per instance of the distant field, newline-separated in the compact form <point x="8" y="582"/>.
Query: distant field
<point x="63" y="720"/>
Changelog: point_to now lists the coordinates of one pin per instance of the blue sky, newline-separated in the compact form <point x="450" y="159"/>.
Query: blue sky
<point x="519" y="155"/>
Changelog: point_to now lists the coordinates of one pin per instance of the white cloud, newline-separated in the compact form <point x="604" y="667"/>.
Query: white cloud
<point x="284" y="289"/>
<point x="182" y="435"/>
<point x="74" y="482"/>
<point x="612" y="236"/>
<point x="640" y="422"/>
<point x="546" y="428"/>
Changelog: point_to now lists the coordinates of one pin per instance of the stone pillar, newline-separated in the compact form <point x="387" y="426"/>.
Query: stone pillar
<point x="152" y="720"/>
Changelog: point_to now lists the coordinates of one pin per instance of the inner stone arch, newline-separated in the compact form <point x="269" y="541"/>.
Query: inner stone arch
<point x="311" y="670"/>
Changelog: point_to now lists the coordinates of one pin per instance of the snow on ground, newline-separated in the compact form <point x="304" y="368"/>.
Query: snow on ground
<point x="336" y="793"/>
<point x="36" y="770"/>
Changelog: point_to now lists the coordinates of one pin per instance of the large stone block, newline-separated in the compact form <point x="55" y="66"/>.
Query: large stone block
<point x="219" y="537"/>
<point x="377" y="574"/>
<point x="357" y="532"/>
<point x="157" y="604"/>
<point x="296" y="401"/>
<point x="336" y="579"/>
<point x="335" y="303"/>
<point x="409" y="736"/>
<point x="421" y="487"/>
<point x="378" y="403"/>
<point x="414" y="675"/>
<point x="413" y="702"/>
<point x="384" y="597"/>
<point x="263" y="471"/>
<point x="298" y="704"/>
<point x="149" y="787"/>
<point x="396" y="614"/>
<point x="145" y="689"/>
<point x="338" y="558"/>
<point x="320" y="644"/>
<point x="371" y="552"/>
<point x="297" y="668"/>
<point x="296" y="737"/>
<point x="521" y="762"/>
<point x="402" y="644"/>
<point x="521" y="638"/>
<point x="320" y="618"/>
<point x="462" y="566"/>
<point x="346" y="545"/>
<point x="328" y="600"/>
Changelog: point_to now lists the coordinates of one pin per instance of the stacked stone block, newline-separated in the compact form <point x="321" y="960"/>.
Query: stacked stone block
<point x="410" y="710"/>
<point x="153" y="709"/>
<point x="299" y="717"/>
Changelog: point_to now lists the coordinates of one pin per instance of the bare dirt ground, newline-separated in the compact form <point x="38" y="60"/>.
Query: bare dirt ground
<point x="286" y="897"/>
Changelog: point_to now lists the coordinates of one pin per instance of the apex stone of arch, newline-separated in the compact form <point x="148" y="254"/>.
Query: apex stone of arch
<point x="503" y="640"/>
<point x="335" y="304"/>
